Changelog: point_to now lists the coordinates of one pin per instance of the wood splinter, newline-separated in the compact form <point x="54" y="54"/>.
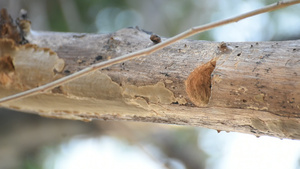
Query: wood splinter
<point x="198" y="84"/>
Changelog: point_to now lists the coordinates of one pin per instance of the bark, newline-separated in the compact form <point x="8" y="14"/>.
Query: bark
<point x="248" y="87"/>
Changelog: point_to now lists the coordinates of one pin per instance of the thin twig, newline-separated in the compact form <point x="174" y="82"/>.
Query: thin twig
<point x="146" y="51"/>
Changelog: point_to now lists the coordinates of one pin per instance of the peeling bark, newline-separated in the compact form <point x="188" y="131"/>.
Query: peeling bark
<point x="255" y="86"/>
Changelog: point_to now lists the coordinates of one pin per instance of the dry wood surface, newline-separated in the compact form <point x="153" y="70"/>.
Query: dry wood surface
<point x="255" y="86"/>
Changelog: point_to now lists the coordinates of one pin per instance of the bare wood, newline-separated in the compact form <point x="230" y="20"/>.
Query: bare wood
<point x="147" y="51"/>
<point x="255" y="86"/>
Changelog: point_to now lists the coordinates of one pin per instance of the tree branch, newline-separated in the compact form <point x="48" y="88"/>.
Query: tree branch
<point x="145" y="52"/>
<point x="255" y="86"/>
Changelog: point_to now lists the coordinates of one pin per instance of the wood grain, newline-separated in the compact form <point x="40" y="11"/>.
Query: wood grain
<point x="255" y="86"/>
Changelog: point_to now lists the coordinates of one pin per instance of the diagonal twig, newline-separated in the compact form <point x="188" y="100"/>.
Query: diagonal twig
<point x="147" y="51"/>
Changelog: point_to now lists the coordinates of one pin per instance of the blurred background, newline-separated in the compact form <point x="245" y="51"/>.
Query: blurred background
<point x="32" y="142"/>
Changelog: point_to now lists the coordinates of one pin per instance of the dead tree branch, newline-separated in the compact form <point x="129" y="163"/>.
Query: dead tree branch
<point x="149" y="50"/>
<point x="249" y="87"/>
<point x="255" y="85"/>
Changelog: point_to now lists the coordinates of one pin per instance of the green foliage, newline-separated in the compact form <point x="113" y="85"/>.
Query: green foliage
<point x="55" y="17"/>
